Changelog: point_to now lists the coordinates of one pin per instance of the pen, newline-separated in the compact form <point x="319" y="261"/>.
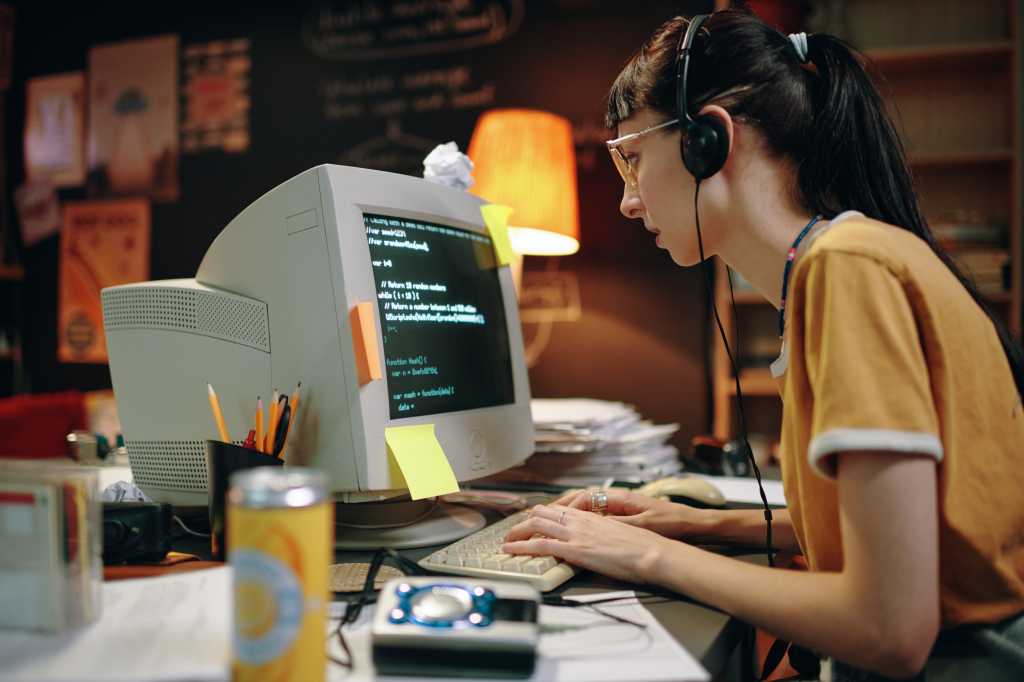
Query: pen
<point x="259" y="424"/>
<point x="217" y="416"/>
<point x="282" y="433"/>
<point x="294" y="411"/>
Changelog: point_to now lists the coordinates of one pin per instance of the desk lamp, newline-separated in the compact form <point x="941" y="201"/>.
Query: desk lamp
<point x="526" y="159"/>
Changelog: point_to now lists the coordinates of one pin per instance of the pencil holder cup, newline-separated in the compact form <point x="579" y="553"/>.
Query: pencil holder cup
<point x="222" y="460"/>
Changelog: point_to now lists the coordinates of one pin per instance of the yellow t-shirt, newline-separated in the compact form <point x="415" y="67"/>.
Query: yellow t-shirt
<point x="885" y="350"/>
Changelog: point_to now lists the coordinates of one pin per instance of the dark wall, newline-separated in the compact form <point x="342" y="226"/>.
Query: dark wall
<point x="642" y="335"/>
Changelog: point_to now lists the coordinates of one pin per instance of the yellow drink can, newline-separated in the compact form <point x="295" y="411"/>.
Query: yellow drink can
<point x="280" y="543"/>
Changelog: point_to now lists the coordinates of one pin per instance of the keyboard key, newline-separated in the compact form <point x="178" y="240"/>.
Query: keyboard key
<point x="538" y="565"/>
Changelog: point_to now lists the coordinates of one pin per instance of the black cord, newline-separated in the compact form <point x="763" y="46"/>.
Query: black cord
<point x="368" y="595"/>
<point x="706" y="266"/>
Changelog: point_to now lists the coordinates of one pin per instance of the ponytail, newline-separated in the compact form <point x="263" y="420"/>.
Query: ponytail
<point x="851" y="124"/>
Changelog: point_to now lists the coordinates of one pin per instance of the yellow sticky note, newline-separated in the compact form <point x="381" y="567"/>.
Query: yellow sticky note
<point x="496" y="219"/>
<point x="421" y="460"/>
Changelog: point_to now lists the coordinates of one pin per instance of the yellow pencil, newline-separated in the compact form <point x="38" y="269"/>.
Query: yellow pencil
<point x="217" y="416"/>
<point x="259" y="424"/>
<point x="268" y="444"/>
<point x="294" y="404"/>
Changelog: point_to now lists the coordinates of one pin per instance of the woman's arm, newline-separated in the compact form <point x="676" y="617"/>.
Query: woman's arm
<point x="880" y="612"/>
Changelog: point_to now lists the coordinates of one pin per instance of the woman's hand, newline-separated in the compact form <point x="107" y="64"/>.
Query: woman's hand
<point x="602" y="544"/>
<point x="661" y="516"/>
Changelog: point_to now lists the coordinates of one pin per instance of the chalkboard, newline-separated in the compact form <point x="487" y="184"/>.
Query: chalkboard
<point x="378" y="83"/>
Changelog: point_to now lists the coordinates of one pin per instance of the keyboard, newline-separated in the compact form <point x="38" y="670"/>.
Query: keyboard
<point x="479" y="556"/>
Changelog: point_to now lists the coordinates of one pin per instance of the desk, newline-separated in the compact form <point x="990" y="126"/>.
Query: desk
<point x="710" y="636"/>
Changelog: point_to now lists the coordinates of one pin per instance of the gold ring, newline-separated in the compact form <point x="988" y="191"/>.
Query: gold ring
<point x="599" y="502"/>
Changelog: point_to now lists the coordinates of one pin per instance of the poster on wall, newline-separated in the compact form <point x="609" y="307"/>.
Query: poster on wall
<point x="38" y="211"/>
<point x="102" y="243"/>
<point x="55" y="129"/>
<point x="133" y="119"/>
<point x="216" y="96"/>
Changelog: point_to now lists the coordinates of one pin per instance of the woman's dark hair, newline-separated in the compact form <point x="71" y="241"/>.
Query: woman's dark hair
<point x="830" y="120"/>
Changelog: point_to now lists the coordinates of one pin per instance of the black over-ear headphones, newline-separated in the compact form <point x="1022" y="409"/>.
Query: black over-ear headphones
<point x="705" y="143"/>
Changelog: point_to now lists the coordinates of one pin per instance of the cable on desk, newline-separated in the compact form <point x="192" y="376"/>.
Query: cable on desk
<point x="188" y="530"/>
<point x="368" y="596"/>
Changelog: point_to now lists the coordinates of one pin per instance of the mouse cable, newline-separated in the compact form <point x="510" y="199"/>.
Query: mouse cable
<point x="706" y="266"/>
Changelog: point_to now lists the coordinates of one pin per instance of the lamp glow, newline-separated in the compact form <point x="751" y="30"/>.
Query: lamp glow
<point x="526" y="159"/>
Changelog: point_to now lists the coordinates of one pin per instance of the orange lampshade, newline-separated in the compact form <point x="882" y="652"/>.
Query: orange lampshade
<point x="526" y="159"/>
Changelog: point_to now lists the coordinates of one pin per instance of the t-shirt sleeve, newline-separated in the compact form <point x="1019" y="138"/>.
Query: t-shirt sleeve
<point x="865" y="362"/>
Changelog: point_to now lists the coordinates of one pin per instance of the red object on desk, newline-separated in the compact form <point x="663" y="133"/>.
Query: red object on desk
<point x="36" y="426"/>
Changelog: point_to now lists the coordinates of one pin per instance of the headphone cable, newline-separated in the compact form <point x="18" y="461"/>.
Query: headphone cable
<point x="706" y="266"/>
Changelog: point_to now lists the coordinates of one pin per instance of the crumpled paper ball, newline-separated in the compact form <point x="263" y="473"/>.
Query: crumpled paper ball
<point x="123" y="491"/>
<point x="446" y="165"/>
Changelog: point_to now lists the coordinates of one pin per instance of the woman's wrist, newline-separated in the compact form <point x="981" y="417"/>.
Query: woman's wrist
<point x="694" y="524"/>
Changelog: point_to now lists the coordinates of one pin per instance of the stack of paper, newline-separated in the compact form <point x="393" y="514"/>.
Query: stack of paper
<point x="582" y="442"/>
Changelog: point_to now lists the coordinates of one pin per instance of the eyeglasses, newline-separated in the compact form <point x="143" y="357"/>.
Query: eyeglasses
<point x="622" y="162"/>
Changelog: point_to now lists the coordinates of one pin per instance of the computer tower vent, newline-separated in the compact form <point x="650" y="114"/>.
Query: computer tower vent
<point x="220" y="314"/>
<point x="149" y="308"/>
<point x="168" y="464"/>
<point x="233" y="318"/>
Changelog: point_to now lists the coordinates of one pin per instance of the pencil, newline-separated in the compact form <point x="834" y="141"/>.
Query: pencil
<point x="291" y="417"/>
<point x="259" y="424"/>
<point x="268" y="444"/>
<point x="217" y="416"/>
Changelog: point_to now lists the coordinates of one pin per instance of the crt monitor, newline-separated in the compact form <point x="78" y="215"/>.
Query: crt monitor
<point x="272" y="305"/>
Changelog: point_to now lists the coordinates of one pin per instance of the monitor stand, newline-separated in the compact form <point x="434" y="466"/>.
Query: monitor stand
<point x="402" y="524"/>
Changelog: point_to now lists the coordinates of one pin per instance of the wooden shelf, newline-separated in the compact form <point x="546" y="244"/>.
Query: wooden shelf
<point x="962" y="57"/>
<point x="993" y="157"/>
<point x="754" y="382"/>
<point x="12" y="272"/>
<point x="1001" y="298"/>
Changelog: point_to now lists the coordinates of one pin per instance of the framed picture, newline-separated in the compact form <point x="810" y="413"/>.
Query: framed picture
<point x="133" y="119"/>
<point x="102" y="244"/>
<point x="55" y="129"/>
<point x="216" y="96"/>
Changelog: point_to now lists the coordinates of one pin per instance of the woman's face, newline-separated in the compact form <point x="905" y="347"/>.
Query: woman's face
<point x="663" y="197"/>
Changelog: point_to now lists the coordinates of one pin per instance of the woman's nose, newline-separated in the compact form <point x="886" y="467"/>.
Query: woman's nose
<point x="631" y="206"/>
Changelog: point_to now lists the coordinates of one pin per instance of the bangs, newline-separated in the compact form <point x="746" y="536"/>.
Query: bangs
<point x="622" y="97"/>
<point x="637" y="85"/>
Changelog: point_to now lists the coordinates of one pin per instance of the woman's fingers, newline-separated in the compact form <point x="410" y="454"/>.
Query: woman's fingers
<point x="543" y="520"/>
<point x="568" y="496"/>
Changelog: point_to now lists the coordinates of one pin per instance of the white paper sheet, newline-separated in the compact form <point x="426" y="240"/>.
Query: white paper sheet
<point x="175" y="627"/>
<point x="601" y="651"/>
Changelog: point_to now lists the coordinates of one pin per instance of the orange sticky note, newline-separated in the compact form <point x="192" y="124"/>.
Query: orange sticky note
<point x="421" y="460"/>
<point x="364" y="343"/>
<point x="496" y="218"/>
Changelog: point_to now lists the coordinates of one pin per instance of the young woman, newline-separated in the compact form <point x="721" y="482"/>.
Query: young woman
<point x="902" y="422"/>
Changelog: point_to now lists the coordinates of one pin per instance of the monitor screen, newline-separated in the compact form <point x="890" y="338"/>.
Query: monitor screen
<point x="445" y="338"/>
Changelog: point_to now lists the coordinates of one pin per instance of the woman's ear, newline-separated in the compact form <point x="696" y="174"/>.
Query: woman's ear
<point x="724" y="118"/>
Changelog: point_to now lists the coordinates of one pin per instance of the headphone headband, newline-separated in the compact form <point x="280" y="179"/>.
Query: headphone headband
<point x="683" y="68"/>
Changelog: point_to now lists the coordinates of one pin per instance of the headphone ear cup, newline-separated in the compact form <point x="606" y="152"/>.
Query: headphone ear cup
<point x="705" y="147"/>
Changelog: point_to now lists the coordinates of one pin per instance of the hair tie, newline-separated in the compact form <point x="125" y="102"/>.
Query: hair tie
<point x="799" y="41"/>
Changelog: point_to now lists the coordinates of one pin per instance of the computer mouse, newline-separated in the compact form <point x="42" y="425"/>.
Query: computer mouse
<point x="696" y="492"/>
